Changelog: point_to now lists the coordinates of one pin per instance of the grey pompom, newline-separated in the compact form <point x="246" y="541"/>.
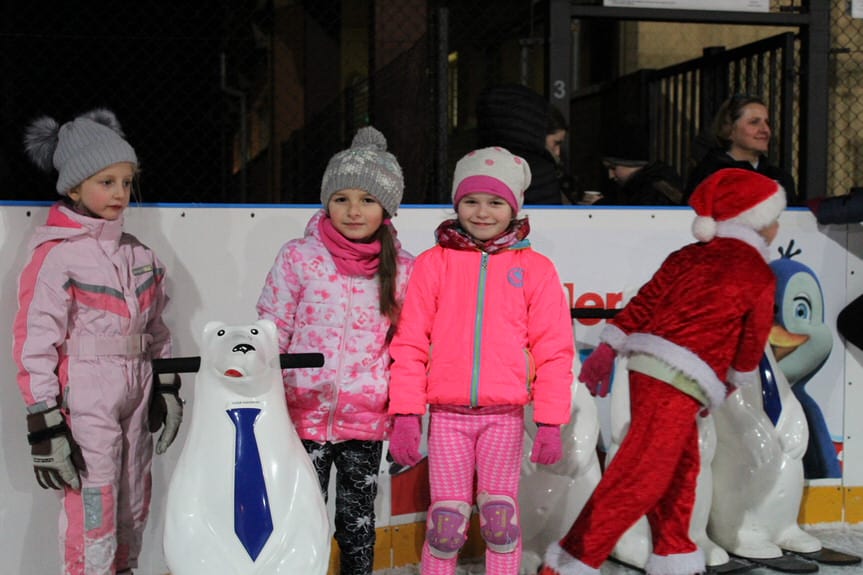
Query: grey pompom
<point x="40" y="141"/>
<point x="106" y="118"/>
<point x="370" y="137"/>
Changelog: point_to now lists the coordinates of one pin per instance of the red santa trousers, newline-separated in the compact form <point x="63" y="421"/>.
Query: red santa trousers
<point x="654" y="473"/>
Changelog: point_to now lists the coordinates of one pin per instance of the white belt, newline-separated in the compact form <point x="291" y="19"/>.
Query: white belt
<point x="96" y="345"/>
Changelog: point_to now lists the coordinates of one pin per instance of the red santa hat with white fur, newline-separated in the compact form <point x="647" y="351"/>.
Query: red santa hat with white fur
<point x="735" y="196"/>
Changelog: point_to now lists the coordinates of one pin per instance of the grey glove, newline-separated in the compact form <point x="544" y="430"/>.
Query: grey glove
<point x="56" y="457"/>
<point x="166" y="409"/>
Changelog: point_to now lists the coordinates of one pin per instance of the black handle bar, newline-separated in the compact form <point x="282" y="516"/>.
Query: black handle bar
<point x="593" y="313"/>
<point x="190" y="364"/>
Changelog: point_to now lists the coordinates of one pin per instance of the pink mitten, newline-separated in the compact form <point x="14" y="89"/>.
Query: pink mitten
<point x="547" y="447"/>
<point x="405" y="440"/>
<point x="596" y="370"/>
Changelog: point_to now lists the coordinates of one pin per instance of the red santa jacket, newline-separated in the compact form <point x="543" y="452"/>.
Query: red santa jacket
<point x="707" y="312"/>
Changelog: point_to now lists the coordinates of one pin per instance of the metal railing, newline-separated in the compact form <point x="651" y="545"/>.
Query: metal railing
<point x="683" y="99"/>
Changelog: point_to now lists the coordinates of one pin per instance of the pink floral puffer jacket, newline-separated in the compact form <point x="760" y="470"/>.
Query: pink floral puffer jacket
<point x="317" y="309"/>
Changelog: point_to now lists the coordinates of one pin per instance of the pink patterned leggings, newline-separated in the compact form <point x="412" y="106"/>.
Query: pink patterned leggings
<point x="461" y="441"/>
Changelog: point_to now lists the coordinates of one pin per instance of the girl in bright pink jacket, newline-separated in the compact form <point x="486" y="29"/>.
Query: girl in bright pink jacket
<point x="89" y="323"/>
<point x="338" y="291"/>
<point x="485" y="330"/>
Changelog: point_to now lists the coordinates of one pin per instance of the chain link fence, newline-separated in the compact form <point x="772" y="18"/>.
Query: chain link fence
<point x="240" y="102"/>
<point x="245" y="101"/>
<point x="154" y="64"/>
<point x="846" y="101"/>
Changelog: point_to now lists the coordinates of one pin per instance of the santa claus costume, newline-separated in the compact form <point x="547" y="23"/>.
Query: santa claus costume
<point x="692" y="333"/>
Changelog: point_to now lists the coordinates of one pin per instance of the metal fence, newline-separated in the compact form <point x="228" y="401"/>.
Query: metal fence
<point x="846" y="101"/>
<point x="245" y="101"/>
<point x="685" y="97"/>
<point x="155" y="64"/>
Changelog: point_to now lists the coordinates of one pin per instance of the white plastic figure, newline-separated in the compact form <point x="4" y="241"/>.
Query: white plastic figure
<point x="551" y="496"/>
<point x="755" y="508"/>
<point x="243" y="499"/>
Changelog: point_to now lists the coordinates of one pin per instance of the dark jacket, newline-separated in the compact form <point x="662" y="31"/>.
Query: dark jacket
<point x="656" y="184"/>
<point x="845" y="209"/>
<point x="717" y="159"/>
<point x="516" y="118"/>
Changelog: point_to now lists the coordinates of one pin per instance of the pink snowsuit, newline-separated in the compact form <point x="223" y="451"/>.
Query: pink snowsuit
<point x="90" y="301"/>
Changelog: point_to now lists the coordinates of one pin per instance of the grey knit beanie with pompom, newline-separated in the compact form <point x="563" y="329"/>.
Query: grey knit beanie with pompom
<point x="366" y="165"/>
<point x="78" y="149"/>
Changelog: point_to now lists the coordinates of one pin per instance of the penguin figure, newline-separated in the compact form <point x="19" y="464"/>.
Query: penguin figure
<point x="802" y="342"/>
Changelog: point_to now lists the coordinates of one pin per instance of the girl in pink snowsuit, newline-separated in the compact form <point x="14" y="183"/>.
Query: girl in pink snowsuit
<point x="89" y="322"/>
<point x="485" y="330"/>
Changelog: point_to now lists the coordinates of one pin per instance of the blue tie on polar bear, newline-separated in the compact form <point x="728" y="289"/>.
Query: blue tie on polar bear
<point x="244" y="498"/>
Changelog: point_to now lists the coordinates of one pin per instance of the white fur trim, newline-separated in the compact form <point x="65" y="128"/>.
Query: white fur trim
<point x="681" y="359"/>
<point x="677" y="564"/>
<point x="742" y="378"/>
<point x="564" y="563"/>
<point x="737" y="231"/>
<point x="613" y="336"/>
<point x="763" y="214"/>
<point x="703" y="228"/>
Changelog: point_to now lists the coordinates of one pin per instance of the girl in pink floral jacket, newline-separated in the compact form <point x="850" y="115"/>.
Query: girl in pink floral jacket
<point x="338" y="291"/>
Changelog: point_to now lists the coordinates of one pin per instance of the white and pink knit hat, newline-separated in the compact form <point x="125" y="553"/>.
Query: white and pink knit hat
<point x="491" y="171"/>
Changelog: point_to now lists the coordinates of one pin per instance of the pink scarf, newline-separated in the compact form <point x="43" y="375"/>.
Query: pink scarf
<point x="351" y="258"/>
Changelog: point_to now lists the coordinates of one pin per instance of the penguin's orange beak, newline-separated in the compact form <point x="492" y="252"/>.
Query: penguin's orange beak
<point x="783" y="342"/>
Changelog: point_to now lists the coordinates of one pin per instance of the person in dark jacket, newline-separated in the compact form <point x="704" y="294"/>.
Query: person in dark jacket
<point x="741" y="134"/>
<point x="636" y="180"/>
<point x="642" y="183"/>
<point x="515" y="117"/>
<point x="844" y="209"/>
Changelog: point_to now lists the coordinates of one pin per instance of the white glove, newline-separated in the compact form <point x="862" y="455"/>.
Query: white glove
<point x="166" y="409"/>
<point x="56" y="456"/>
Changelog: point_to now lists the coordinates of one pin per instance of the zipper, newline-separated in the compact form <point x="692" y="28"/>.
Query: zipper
<point x="338" y="378"/>
<point x="477" y="329"/>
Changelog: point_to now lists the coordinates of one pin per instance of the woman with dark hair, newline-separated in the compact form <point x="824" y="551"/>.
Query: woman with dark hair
<point x="515" y="117"/>
<point x="741" y="134"/>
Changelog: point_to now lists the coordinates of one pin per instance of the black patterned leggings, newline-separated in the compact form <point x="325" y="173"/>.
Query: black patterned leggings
<point x="357" y="463"/>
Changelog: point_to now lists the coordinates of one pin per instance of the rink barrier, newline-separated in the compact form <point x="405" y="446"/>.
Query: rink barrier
<point x="217" y="257"/>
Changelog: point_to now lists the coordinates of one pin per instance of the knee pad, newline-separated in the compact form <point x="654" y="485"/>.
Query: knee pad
<point x="446" y="527"/>
<point x="498" y="522"/>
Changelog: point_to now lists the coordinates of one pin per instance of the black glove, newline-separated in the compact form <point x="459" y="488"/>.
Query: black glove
<point x="166" y="409"/>
<point x="56" y="457"/>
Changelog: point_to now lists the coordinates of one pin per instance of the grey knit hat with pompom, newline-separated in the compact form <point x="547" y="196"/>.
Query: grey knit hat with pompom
<point x="366" y="165"/>
<point x="78" y="149"/>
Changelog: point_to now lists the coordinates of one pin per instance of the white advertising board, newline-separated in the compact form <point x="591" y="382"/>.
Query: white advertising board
<point x="217" y="257"/>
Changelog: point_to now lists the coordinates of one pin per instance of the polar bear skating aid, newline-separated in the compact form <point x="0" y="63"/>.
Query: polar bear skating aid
<point x="244" y="498"/>
<point x="551" y="496"/>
